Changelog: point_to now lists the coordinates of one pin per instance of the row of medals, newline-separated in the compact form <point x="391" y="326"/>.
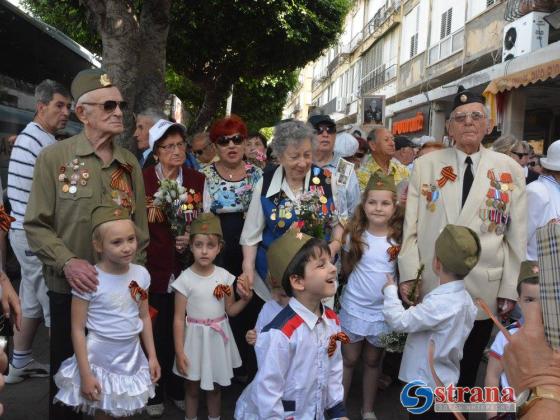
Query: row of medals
<point x="78" y="176"/>
<point x="496" y="206"/>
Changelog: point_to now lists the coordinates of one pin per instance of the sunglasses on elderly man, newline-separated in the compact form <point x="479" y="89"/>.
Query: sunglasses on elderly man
<point x="520" y="155"/>
<point x="200" y="152"/>
<point x="331" y="129"/>
<point x="109" y="106"/>
<point x="224" y="141"/>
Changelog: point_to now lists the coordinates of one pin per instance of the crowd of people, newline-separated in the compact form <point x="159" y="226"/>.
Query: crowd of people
<point x="280" y="264"/>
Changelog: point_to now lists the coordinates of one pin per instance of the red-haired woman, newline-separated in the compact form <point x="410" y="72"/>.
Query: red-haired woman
<point x="229" y="183"/>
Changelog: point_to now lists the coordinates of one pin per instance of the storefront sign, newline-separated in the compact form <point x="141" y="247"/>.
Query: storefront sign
<point x="523" y="78"/>
<point x="409" y="125"/>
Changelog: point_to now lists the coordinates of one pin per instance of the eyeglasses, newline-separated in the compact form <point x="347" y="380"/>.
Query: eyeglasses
<point x="461" y="117"/>
<point x="199" y="152"/>
<point x="520" y="155"/>
<point x="109" y="106"/>
<point x="170" y="147"/>
<point x="224" y="141"/>
<point x="331" y="129"/>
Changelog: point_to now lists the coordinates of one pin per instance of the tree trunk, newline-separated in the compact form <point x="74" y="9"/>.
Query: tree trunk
<point x="133" y="53"/>
<point x="214" y="93"/>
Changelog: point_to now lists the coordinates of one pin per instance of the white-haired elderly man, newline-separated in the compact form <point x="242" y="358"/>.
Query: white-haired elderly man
<point x="470" y="186"/>
<point x="70" y="178"/>
<point x="144" y="121"/>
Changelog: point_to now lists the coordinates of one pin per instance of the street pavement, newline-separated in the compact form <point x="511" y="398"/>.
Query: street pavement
<point x="28" y="400"/>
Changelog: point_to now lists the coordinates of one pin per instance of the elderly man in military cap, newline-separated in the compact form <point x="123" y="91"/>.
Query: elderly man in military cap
<point x="70" y="178"/>
<point x="471" y="186"/>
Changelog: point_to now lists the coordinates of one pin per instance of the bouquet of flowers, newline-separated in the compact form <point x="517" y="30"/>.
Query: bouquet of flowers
<point x="180" y="206"/>
<point x="394" y="341"/>
<point x="313" y="216"/>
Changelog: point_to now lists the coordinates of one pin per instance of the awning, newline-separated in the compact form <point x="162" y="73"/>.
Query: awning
<point x="534" y="74"/>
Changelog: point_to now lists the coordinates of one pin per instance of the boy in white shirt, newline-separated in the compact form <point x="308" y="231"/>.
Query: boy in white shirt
<point x="529" y="294"/>
<point x="299" y="359"/>
<point x="446" y="314"/>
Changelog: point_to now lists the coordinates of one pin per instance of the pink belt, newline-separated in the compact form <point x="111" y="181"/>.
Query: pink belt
<point x="212" y="323"/>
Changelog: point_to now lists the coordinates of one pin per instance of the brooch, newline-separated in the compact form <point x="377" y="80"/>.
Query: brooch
<point x="393" y="252"/>
<point x="137" y="293"/>
<point x="447" y="174"/>
<point x="342" y="337"/>
<point x="221" y="290"/>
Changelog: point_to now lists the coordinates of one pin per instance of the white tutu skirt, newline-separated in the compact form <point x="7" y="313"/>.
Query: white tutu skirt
<point x="210" y="358"/>
<point x="121" y="368"/>
<point x="357" y="328"/>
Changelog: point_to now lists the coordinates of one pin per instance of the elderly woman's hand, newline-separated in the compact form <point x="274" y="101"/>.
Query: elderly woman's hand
<point x="182" y="242"/>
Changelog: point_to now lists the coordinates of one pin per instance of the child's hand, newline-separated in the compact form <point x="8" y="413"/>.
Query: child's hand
<point x="390" y="281"/>
<point x="251" y="337"/>
<point x="155" y="369"/>
<point x="182" y="363"/>
<point x="91" y="388"/>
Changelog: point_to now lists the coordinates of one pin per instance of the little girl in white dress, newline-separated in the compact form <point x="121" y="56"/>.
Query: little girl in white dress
<point x="109" y="375"/>
<point x="205" y="350"/>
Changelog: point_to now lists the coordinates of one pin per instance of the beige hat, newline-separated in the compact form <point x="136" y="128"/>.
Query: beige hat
<point x="88" y="80"/>
<point x="529" y="270"/>
<point x="206" y="224"/>
<point x="282" y="251"/>
<point x="107" y="213"/>
<point x="458" y="249"/>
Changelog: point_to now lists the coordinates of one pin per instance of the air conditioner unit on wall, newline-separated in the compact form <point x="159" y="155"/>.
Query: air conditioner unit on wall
<point x="526" y="34"/>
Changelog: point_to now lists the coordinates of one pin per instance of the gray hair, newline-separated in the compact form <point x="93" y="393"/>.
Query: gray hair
<point x="153" y="114"/>
<point x="290" y="132"/>
<point x="45" y="91"/>
<point x="372" y="136"/>
<point x="527" y="148"/>
<point x="505" y="144"/>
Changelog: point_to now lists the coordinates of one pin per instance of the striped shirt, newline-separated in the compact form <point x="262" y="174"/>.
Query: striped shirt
<point x="27" y="147"/>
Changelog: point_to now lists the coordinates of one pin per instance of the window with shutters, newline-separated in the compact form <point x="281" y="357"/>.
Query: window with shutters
<point x="413" y="45"/>
<point x="490" y="2"/>
<point x="445" y="28"/>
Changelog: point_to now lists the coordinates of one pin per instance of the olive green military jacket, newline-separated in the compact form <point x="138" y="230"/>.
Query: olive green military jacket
<point x="68" y="182"/>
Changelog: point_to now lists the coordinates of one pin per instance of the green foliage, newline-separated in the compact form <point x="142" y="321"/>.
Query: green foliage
<point x="260" y="102"/>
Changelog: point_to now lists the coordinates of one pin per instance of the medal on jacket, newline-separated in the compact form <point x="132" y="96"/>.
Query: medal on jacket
<point x="342" y="337"/>
<point x="221" y="290"/>
<point x="137" y="293"/>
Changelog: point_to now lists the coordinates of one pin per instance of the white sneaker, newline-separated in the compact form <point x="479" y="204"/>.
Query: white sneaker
<point x="180" y="404"/>
<point x="31" y="370"/>
<point x="155" y="410"/>
<point x="370" y="415"/>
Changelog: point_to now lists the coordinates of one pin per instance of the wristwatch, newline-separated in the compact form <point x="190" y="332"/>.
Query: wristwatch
<point x="529" y="397"/>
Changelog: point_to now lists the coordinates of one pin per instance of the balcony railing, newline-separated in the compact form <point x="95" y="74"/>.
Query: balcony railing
<point x="447" y="46"/>
<point x="377" y="78"/>
<point x="380" y="17"/>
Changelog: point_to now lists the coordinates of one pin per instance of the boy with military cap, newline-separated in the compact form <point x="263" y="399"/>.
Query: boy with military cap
<point x="70" y="178"/>
<point x="445" y="315"/>
<point x="300" y="363"/>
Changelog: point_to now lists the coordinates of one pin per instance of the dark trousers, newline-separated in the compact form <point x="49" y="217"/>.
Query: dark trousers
<point x="473" y="350"/>
<point x="61" y="349"/>
<point x="169" y="384"/>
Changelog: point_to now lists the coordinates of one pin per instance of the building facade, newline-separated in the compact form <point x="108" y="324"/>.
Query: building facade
<point x="414" y="54"/>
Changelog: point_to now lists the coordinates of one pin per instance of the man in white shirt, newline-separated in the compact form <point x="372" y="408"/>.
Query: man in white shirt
<point x="446" y="314"/>
<point x="52" y="112"/>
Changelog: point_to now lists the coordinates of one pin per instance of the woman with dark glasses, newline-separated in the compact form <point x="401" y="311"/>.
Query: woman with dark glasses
<point x="230" y="182"/>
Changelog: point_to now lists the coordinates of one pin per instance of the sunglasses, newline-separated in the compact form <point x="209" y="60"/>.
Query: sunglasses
<point x="461" y="117"/>
<point x="329" y="129"/>
<point x="359" y="155"/>
<point x="520" y="155"/>
<point x="224" y="141"/>
<point x="199" y="152"/>
<point x="109" y="106"/>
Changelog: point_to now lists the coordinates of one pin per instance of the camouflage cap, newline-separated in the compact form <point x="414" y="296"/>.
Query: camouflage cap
<point x="529" y="270"/>
<point x="379" y="181"/>
<point x="88" y="80"/>
<point x="458" y="249"/>
<point x="107" y="213"/>
<point x="282" y="251"/>
<point x="206" y="224"/>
